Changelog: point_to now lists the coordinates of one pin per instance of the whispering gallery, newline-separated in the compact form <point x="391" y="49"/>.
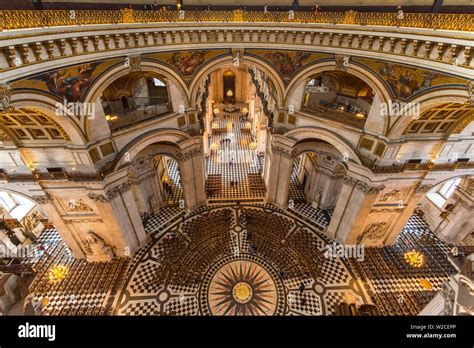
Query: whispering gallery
<point x="237" y="158"/>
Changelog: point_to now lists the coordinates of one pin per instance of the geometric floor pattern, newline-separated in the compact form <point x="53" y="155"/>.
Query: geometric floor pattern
<point x="195" y="264"/>
<point x="242" y="260"/>
<point x="233" y="169"/>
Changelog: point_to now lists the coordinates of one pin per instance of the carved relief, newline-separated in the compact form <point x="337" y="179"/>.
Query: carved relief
<point x="373" y="232"/>
<point x="394" y="195"/>
<point x="342" y="61"/>
<point x="79" y="206"/>
<point x="5" y="95"/>
<point x="134" y="62"/>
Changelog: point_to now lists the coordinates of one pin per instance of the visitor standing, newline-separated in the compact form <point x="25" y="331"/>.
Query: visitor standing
<point x="295" y="6"/>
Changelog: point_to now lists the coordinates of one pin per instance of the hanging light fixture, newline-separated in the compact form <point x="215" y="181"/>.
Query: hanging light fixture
<point x="213" y="146"/>
<point x="230" y="93"/>
<point x="57" y="273"/>
<point x="414" y="258"/>
<point x="253" y="145"/>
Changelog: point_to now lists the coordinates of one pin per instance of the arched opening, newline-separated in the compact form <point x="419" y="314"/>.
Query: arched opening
<point x="22" y="221"/>
<point x="315" y="184"/>
<point x="228" y="85"/>
<point x="236" y="130"/>
<point x="340" y="96"/>
<point x="135" y="97"/>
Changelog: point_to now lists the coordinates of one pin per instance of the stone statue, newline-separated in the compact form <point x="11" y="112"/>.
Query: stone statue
<point x="316" y="200"/>
<point x="5" y="95"/>
<point x="96" y="249"/>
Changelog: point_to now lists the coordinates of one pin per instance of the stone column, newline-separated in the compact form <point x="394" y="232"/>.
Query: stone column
<point x="191" y="169"/>
<point x="405" y="212"/>
<point x="278" y="177"/>
<point x="352" y="208"/>
<point x="54" y="216"/>
<point x="128" y="216"/>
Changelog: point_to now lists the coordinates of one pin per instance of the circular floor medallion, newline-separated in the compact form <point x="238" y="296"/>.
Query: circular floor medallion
<point x="242" y="287"/>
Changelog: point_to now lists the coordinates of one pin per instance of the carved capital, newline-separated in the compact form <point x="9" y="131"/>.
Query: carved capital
<point x="98" y="198"/>
<point x="349" y="181"/>
<point x="116" y="191"/>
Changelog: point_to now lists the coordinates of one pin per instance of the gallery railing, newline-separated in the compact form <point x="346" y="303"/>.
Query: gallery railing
<point x="21" y="19"/>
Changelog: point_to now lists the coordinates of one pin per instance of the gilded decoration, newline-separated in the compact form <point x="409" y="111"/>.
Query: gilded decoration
<point x="17" y="19"/>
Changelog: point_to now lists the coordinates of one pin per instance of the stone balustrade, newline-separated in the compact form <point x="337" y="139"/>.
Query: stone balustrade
<point x="443" y="50"/>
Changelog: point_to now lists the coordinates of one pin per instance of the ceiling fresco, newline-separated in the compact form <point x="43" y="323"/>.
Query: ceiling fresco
<point x="71" y="83"/>
<point x="405" y="81"/>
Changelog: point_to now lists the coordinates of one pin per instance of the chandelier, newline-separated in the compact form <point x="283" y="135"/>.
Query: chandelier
<point x="57" y="273"/>
<point x="230" y="93"/>
<point x="414" y="258"/>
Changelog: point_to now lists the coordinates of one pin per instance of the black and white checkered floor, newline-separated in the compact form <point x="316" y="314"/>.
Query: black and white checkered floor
<point x="156" y="285"/>
<point x="233" y="169"/>
<point x="166" y="276"/>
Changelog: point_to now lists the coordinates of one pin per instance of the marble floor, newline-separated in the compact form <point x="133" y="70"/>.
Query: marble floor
<point x="243" y="260"/>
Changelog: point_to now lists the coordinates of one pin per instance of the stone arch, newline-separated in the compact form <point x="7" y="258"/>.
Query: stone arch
<point x="317" y="133"/>
<point x="47" y="105"/>
<point x="226" y="60"/>
<point x="101" y="83"/>
<point x="171" y="140"/>
<point x="427" y="101"/>
<point x="373" y="80"/>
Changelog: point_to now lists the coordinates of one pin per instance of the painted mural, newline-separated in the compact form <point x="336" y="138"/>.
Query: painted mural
<point x="406" y="81"/>
<point x="69" y="83"/>
<point x="288" y="62"/>
<point x="186" y="62"/>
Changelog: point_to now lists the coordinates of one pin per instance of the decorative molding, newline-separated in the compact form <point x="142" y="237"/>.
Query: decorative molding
<point x="183" y="157"/>
<point x="134" y="62"/>
<point x="82" y="221"/>
<point x="342" y="61"/>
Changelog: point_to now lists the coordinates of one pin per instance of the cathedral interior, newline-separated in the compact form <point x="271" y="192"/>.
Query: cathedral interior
<point x="185" y="159"/>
